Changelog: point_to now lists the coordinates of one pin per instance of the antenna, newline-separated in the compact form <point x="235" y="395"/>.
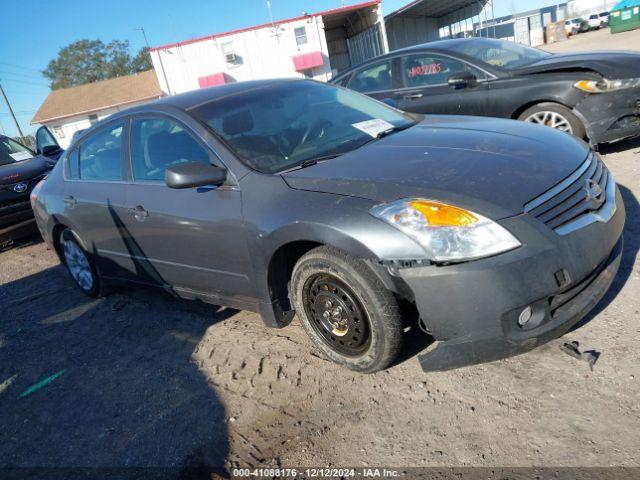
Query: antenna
<point x="274" y="27"/>
<point x="270" y="13"/>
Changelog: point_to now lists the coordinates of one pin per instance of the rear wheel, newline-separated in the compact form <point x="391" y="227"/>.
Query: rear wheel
<point x="347" y="312"/>
<point x="555" y="116"/>
<point x="79" y="265"/>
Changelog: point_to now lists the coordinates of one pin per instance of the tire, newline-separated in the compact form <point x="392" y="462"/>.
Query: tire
<point x="367" y="331"/>
<point x="75" y="258"/>
<point x="536" y="114"/>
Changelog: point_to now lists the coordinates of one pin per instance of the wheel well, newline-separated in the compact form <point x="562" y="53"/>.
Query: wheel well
<point x="57" y="232"/>
<point x="281" y="267"/>
<point x="522" y="109"/>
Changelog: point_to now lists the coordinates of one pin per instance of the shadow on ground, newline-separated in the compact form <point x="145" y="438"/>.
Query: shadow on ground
<point x="100" y="383"/>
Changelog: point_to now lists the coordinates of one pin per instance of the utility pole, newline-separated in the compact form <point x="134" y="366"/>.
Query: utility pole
<point x="11" y="111"/>
<point x="164" y="75"/>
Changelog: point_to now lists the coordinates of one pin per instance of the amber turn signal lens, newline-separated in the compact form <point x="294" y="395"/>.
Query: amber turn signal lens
<point x="587" y="86"/>
<point x="443" y="215"/>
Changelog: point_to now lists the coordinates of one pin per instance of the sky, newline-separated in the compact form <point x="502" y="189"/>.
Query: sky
<point x="39" y="29"/>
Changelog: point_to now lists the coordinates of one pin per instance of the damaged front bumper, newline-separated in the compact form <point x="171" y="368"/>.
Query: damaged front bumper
<point x="473" y="309"/>
<point x="610" y="116"/>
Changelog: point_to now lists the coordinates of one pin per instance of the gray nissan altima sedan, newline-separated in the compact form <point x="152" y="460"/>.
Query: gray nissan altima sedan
<point x="292" y="196"/>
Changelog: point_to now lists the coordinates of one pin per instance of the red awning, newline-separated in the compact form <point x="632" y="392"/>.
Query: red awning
<point x="307" y="61"/>
<point x="212" y="80"/>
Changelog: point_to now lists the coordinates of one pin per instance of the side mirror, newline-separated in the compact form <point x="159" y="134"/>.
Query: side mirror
<point x="51" y="150"/>
<point x="391" y="102"/>
<point x="461" y="80"/>
<point x="194" y="174"/>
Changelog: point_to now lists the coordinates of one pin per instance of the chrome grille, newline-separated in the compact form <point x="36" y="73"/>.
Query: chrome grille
<point x="572" y="203"/>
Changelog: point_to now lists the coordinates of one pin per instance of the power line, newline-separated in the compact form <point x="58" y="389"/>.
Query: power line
<point x="21" y="112"/>
<point x="6" y="72"/>
<point x="26" y="81"/>
<point x="20" y="66"/>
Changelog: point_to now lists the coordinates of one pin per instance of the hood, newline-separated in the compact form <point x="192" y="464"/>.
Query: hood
<point x="491" y="166"/>
<point x="612" y="65"/>
<point x="24" y="170"/>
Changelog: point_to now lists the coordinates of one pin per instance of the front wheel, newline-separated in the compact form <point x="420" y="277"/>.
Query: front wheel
<point x="555" y="116"/>
<point x="346" y="310"/>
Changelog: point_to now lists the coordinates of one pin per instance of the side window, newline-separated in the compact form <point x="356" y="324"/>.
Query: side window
<point x="101" y="154"/>
<point x="301" y="35"/>
<point x="159" y="143"/>
<point x="73" y="167"/>
<point x="424" y="70"/>
<point x="372" y="79"/>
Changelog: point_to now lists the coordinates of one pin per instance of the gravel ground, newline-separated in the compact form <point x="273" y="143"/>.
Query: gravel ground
<point x="141" y="379"/>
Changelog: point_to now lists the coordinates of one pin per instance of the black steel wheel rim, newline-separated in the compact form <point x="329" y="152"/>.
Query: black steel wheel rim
<point x="337" y="315"/>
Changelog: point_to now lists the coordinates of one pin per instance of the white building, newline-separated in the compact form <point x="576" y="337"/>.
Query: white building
<point x="581" y="8"/>
<point x="67" y="110"/>
<point x="314" y="45"/>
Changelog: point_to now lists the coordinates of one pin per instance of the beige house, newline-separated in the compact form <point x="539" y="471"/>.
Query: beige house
<point x="68" y="110"/>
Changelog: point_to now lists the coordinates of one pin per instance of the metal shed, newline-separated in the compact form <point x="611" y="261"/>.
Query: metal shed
<point x="421" y="21"/>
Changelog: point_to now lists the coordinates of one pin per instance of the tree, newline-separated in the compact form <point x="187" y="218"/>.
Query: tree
<point x="86" y="61"/>
<point x="142" y="61"/>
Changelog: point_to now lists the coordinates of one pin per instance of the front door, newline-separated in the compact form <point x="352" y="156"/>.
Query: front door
<point x="426" y="90"/>
<point x="187" y="240"/>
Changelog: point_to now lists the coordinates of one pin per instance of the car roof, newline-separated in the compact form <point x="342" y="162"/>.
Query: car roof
<point x="187" y="101"/>
<point x="195" y="98"/>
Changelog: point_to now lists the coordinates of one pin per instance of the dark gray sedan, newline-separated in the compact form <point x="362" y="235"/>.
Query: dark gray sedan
<point x="291" y="196"/>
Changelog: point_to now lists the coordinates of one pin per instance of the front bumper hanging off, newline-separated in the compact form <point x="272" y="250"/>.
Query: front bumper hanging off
<point x="473" y="309"/>
<point x="560" y="313"/>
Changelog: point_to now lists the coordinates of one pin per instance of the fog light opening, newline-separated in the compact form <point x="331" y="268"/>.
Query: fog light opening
<point x="525" y="316"/>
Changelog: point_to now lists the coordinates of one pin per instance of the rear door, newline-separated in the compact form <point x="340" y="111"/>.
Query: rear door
<point x="189" y="240"/>
<point x="425" y="87"/>
<point x="94" y="194"/>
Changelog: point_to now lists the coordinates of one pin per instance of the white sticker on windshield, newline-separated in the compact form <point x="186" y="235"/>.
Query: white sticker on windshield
<point x="373" y="127"/>
<point x="18" y="156"/>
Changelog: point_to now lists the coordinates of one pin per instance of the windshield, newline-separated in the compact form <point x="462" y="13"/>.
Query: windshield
<point x="500" y="53"/>
<point x="279" y="126"/>
<point x="11" y="151"/>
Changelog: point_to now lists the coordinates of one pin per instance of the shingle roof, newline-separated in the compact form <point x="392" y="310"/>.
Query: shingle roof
<point x="92" y="97"/>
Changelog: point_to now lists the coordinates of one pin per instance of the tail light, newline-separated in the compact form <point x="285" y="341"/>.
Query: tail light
<point x="34" y="193"/>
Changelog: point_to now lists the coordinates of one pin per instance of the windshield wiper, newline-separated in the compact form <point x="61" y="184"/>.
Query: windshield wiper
<point x="391" y="130"/>
<point x="311" y="161"/>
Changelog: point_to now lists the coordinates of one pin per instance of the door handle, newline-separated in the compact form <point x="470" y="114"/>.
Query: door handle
<point x="412" y="96"/>
<point x="139" y="212"/>
<point x="70" y="200"/>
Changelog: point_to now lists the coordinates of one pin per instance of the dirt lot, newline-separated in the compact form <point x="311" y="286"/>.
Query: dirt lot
<point x="598" y="40"/>
<point x="141" y="379"/>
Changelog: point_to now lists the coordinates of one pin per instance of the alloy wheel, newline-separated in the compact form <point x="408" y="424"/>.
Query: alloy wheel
<point x="551" y="119"/>
<point x="337" y="315"/>
<point x="78" y="265"/>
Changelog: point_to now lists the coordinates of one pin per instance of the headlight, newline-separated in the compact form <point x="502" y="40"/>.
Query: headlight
<point x="602" y="86"/>
<point x="446" y="233"/>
